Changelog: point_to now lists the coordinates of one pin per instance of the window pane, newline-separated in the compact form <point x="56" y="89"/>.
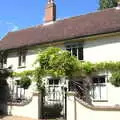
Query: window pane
<point x="18" y="82"/>
<point x="68" y="49"/>
<point x="103" y="93"/>
<point x="19" y="61"/>
<point x="96" y="92"/>
<point x="95" y="80"/>
<point x="56" y="82"/>
<point x="80" y="53"/>
<point x="102" y="79"/>
<point x="99" y="79"/>
<point x="24" y="59"/>
<point x="74" y="51"/>
<point x="50" y="82"/>
<point x="99" y="88"/>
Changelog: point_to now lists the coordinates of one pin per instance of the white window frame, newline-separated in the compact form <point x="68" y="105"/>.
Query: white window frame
<point x="22" y="58"/>
<point x="52" y="95"/>
<point x="101" y="90"/>
<point x="75" y="46"/>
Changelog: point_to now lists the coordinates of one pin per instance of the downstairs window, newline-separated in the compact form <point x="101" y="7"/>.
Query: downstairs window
<point x="99" y="89"/>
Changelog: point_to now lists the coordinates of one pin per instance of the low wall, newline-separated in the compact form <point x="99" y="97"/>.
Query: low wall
<point x="30" y="110"/>
<point x="78" y="110"/>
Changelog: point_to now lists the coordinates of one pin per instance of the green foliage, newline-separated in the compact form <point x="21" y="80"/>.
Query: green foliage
<point x="106" y="66"/>
<point x="55" y="62"/>
<point x="25" y="82"/>
<point x="25" y="76"/>
<point x="103" y="4"/>
<point x="87" y="68"/>
<point x="24" y="73"/>
<point x="115" y="79"/>
<point x="38" y="74"/>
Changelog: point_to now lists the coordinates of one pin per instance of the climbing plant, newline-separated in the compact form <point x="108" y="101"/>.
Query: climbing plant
<point x="56" y="62"/>
<point x="25" y="78"/>
<point x="115" y="79"/>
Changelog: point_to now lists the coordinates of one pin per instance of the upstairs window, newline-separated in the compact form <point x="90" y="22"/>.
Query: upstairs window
<point x="76" y="50"/>
<point x="22" y="58"/>
<point x="99" y="91"/>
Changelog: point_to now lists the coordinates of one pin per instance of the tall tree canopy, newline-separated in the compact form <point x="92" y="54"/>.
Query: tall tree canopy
<point x="103" y="4"/>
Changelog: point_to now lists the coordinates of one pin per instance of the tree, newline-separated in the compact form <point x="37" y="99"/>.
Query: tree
<point x="103" y="4"/>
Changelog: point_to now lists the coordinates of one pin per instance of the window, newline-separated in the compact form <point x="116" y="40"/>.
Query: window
<point x="53" y="90"/>
<point x="99" y="91"/>
<point x="19" y="91"/>
<point x="22" y="58"/>
<point x="76" y="50"/>
<point x="3" y="60"/>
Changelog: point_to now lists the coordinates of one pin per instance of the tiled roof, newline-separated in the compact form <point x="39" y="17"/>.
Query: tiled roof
<point x="105" y="21"/>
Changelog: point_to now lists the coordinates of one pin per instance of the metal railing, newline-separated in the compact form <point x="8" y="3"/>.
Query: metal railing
<point x="81" y="90"/>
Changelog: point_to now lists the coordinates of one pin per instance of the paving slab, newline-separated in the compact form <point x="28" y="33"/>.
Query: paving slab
<point x="14" y="118"/>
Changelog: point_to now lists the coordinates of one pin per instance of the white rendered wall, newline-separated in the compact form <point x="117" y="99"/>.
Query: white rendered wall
<point x="102" y="49"/>
<point x="31" y="110"/>
<point x="77" y="111"/>
<point x="13" y="60"/>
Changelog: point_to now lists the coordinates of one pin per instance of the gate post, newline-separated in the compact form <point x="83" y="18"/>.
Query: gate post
<point x="71" y="106"/>
<point x="65" y="116"/>
<point x="40" y="104"/>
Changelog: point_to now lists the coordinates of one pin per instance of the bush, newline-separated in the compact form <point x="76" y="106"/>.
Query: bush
<point x="25" y="82"/>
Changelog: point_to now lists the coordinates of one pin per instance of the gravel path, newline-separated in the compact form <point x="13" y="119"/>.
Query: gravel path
<point x="14" y="118"/>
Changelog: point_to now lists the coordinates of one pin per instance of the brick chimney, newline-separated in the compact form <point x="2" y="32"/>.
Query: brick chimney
<point x="50" y="11"/>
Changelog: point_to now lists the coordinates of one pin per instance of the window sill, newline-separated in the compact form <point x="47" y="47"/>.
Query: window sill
<point x="100" y="100"/>
<point x="19" y="67"/>
<point x="53" y="100"/>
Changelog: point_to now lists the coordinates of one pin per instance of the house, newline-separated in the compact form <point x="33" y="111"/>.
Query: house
<point x="93" y="37"/>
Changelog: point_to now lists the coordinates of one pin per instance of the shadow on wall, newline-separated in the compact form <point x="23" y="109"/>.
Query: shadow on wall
<point x="4" y="93"/>
<point x="52" y="111"/>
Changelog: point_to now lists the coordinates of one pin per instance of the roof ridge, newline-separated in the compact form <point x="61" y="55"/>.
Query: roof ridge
<point x="89" y="13"/>
<point x="60" y="20"/>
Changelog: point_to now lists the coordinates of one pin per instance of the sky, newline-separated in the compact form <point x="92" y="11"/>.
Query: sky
<point x="21" y="14"/>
